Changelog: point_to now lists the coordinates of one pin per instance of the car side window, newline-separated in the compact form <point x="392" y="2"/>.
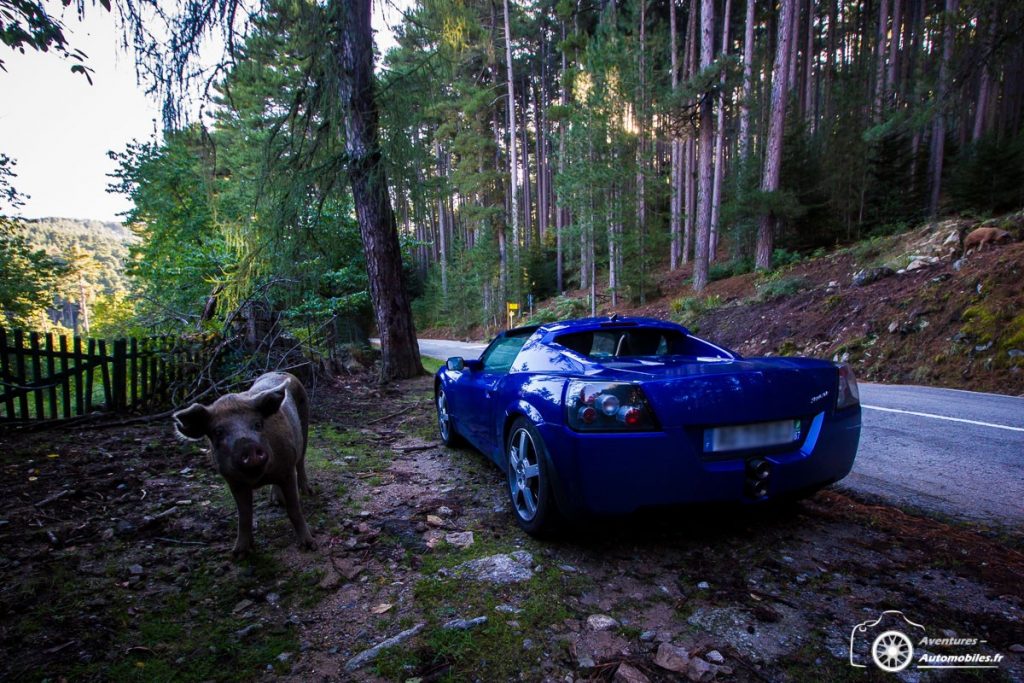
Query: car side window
<point x="502" y="353"/>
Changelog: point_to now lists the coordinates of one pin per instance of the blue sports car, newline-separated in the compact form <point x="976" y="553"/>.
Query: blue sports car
<point x="608" y="415"/>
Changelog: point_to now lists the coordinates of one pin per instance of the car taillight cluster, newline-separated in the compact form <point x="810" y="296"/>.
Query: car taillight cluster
<point x="848" y="394"/>
<point x="607" y="406"/>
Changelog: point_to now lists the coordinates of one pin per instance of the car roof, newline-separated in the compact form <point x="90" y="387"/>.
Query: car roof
<point x="609" y="322"/>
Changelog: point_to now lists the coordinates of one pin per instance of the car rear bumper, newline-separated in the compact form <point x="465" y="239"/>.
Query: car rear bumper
<point x="619" y="473"/>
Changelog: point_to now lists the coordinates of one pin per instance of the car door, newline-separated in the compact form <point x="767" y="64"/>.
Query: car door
<point x="482" y="389"/>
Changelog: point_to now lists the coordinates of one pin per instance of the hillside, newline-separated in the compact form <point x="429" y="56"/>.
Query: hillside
<point x="931" y="318"/>
<point x="106" y="241"/>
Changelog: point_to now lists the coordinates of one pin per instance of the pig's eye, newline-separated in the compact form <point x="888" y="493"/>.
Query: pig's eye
<point x="258" y="425"/>
<point x="218" y="434"/>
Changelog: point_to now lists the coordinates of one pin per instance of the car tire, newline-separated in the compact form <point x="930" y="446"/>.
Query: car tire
<point x="529" y="481"/>
<point x="446" y="428"/>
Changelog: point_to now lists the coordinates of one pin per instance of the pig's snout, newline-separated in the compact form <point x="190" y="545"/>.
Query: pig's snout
<point x="250" y="455"/>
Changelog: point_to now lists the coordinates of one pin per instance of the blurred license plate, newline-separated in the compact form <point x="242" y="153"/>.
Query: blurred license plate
<point x="751" y="436"/>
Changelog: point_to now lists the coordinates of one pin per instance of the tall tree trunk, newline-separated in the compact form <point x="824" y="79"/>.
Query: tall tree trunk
<point x="559" y="211"/>
<point x="400" y="353"/>
<point x="613" y="281"/>
<point x="810" y="105"/>
<point x="794" y="48"/>
<point x="716" y="191"/>
<point x="773" y="146"/>
<point x="883" y="32"/>
<point x="707" y="51"/>
<point x="442" y="256"/>
<point x="894" y="53"/>
<point x="513" y="161"/>
<point x="641" y="149"/>
<point x="831" y="52"/>
<point x="690" y="151"/>
<point x="748" y="83"/>
<point x="527" y="188"/>
<point x="675" y="176"/>
<point x="539" y="144"/>
<point x="985" y="80"/>
<point x="939" y="125"/>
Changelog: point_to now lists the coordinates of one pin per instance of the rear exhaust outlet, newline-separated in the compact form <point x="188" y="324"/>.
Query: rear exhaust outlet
<point x="758" y="469"/>
<point x="758" y="472"/>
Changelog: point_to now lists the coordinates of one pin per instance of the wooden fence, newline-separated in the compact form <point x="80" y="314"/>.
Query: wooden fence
<point x="49" y="377"/>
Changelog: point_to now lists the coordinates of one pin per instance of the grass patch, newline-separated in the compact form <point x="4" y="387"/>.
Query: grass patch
<point x="186" y="632"/>
<point x="341" y="449"/>
<point x="431" y="365"/>
<point x="492" y="651"/>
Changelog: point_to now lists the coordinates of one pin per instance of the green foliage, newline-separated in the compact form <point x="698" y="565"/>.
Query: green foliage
<point x="988" y="176"/>
<point x="180" y="253"/>
<point x="27" y="24"/>
<point x="722" y="270"/>
<point x="255" y="202"/>
<point x="29" y="279"/>
<point x="781" y="287"/>
<point x="783" y="258"/>
<point x="9" y="195"/>
<point x="561" y="308"/>
<point x="689" y="309"/>
<point x="106" y="242"/>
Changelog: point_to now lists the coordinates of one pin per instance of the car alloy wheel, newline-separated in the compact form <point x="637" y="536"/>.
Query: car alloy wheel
<point x="449" y="437"/>
<point x="524" y="479"/>
<point x="529" y="487"/>
<point x="444" y="423"/>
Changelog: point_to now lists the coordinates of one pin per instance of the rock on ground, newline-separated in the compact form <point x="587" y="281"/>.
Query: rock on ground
<point x="498" y="569"/>
<point x="672" y="658"/>
<point x="629" y="674"/>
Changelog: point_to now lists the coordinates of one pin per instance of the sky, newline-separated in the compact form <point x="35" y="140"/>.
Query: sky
<point x="59" y="128"/>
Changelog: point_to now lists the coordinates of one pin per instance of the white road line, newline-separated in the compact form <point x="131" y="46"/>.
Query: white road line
<point x="944" y="417"/>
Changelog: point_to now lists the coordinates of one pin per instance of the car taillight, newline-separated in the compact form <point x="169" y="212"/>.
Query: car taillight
<point x="848" y="394"/>
<point x="607" y="406"/>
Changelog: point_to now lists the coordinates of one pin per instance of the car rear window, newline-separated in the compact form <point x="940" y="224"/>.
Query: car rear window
<point x="627" y="343"/>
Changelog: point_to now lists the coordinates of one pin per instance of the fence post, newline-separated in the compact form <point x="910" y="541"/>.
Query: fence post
<point x="120" y="377"/>
<point x="19" y="360"/>
<point x="5" y="375"/>
<point x="37" y="374"/>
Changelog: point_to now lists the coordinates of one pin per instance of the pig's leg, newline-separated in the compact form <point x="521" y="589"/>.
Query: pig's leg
<point x="294" y="510"/>
<point x="243" y="499"/>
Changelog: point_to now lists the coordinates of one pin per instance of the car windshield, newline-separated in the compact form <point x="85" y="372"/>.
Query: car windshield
<point x="502" y="352"/>
<point x="625" y="343"/>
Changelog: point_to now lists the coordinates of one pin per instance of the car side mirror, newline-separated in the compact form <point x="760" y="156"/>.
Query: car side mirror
<point x="455" y="364"/>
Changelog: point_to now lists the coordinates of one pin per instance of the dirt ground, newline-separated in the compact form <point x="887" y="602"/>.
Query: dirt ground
<point x="116" y="566"/>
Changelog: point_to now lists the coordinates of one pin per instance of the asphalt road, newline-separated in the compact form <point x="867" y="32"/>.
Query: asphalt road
<point x="955" y="453"/>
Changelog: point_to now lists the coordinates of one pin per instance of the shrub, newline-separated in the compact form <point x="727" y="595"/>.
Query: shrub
<point x="782" y="287"/>
<point x="720" y="271"/>
<point x="688" y="309"/>
<point x="562" y="308"/>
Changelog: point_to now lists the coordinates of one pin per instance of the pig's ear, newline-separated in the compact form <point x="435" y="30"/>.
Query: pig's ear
<point x="269" y="402"/>
<point x="193" y="422"/>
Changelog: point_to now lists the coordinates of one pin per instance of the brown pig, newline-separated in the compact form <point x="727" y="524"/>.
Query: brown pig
<point x="979" y="237"/>
<point x="257" y="437"/>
